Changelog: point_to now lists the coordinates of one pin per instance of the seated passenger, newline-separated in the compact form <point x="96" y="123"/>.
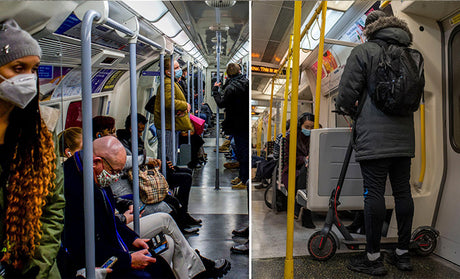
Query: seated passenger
<point x="112" y="238"/>
<point x="185" y="261"/>
<point x="103" y="126"/>
<point x="304" y="126"/>
<point x="70" y="141"/>
<point x="180" y="178"/>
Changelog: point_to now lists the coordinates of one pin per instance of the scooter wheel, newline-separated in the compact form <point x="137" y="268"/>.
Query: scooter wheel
<point x="320" y="247"/>
<point x="425" y="242"/>
<point x="268" y="196"/>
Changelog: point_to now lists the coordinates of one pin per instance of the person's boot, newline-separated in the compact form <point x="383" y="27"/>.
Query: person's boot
<point x="307" y="220"/>
<point x="214" y="269"/>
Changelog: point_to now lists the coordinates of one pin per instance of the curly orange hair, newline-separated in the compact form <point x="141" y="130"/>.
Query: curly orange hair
<point x="31" y="178"/>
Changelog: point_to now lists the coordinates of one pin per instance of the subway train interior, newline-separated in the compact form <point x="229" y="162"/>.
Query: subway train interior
<point x="105" y="58"/>
<point x="283" y="88"/>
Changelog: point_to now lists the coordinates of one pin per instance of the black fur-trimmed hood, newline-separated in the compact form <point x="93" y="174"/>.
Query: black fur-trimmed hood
<point x="396" y="30"/>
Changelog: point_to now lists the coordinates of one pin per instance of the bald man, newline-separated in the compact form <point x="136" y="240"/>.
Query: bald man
<point x="112" y="237"/>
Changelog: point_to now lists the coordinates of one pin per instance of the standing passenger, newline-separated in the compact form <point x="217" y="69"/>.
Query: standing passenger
<point x="31" y="187"/>
<point x="182" y="119"/>
<point x="235" y="99"/>
<point x="384" y="144"/>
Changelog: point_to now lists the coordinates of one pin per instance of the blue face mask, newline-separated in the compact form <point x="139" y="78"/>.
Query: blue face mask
<point x="306" y="132"/>
<point x="178" y="73"/>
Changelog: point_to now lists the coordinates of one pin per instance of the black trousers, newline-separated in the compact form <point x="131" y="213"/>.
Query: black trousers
<point x="181" y="178"/>
<point x="374" y="174"/>
<point x="242" y="155"/>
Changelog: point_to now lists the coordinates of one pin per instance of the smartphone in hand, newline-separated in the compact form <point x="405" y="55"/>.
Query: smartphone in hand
<point x="158" y="244"/>
<point x="110" y="262"/>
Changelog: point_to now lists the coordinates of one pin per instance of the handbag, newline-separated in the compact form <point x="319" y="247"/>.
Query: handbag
<point x="153" y="187"/>
<point x="198" y="124"/>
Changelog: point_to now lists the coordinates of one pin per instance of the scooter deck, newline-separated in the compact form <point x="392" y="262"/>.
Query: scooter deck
<point x="360" y="241"/>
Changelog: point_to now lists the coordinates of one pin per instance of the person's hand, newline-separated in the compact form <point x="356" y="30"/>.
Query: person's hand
<point x="154" y="162"/>
<point x="217" y="84"/>
<point x="181" y="113"/>
<point x="140" y="260"/>
<point x="140" y="243"/>
<point x="189" y="107"/>
<point x="170" y="165"/>
<point x="129" y="215"/>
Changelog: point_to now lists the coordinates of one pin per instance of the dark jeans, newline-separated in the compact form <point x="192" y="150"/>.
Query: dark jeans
<point x="196" y="143"/>
<point x="181" y="178"/>
<point x="374" y="175"/>
<point x="242" y="155"/>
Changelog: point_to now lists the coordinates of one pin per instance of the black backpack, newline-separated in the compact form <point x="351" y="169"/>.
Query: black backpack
<point x="399" y="80"/>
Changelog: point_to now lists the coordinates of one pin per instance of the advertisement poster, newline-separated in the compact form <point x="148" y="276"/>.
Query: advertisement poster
<point x="329" y="64"/>
<point x="50" y="76"/>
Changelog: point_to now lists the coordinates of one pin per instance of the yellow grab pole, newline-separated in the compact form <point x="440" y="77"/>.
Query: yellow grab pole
<point x="319" y="70"/>
<point x="304" y="32"/>
<point x="423" y="143"/>
<point x="384" y="4"/>
<point x="269" y="130"/>
<point x="289" y="261"/>
<point x="259" y="136"/>
<point x="286" y="90"/>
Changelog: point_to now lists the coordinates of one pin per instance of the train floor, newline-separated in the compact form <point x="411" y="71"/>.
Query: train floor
<point x="269" y="250"/>
<point x="221" y="211"/>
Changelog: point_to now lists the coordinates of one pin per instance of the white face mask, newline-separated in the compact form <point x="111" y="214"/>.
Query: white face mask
<point x="19" y="90"/>
<point x="105" y="178"/>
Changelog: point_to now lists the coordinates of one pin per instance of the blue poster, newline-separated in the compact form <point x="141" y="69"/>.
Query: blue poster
<point x="45" y="71"/>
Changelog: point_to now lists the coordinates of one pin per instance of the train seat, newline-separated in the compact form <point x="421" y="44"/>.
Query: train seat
<point x="327" y="152"/>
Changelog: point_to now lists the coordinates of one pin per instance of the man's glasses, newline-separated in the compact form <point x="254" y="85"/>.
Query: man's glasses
<point x="112" y="170"/>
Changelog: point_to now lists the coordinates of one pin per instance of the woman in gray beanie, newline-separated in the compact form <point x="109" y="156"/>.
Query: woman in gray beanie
<point x="31" y="187"/>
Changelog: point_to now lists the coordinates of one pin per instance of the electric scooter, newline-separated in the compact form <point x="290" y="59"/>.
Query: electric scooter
<point x="323" y="244"/>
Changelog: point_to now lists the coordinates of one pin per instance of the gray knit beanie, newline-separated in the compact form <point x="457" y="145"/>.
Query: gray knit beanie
<point x="373" y="16"/>
<point x="15" y="42"/>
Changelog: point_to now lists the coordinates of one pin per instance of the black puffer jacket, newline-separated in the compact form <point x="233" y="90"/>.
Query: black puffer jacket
<point x="234" y="97"/>
<point x="377" y="135"/>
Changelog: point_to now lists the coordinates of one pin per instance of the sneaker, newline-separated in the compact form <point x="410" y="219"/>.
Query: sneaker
<point x="257" y="179"/>
<point x="232" y="165"/>
<point x="235" y="181"/>
<point x="362" y="264"/>
<point x="214" y="269"/>
<point x="239" y="186"/>
<point x="241" y="248"/>
<point x="401" y="262"/>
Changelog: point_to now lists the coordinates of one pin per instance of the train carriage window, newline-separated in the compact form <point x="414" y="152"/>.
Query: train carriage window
<point x="74" y="115"/>
<point x="454" y="89"/>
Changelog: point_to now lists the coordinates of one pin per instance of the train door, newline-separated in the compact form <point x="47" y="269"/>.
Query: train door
<point x="447" y="221"/>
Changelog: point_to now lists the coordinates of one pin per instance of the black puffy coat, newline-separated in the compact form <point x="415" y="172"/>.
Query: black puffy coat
<point x="377" y="134"/>
<point x="234" y="97"/>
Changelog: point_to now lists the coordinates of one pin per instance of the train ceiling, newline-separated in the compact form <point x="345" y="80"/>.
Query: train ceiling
<point x="197" y="18"/>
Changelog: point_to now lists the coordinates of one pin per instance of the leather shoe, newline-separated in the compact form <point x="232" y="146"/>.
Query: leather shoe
<point x="214" y="269"/>
<point x="241" y="233"/>
<point x="241" y="248"/>
<point x="189" y="220"/>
